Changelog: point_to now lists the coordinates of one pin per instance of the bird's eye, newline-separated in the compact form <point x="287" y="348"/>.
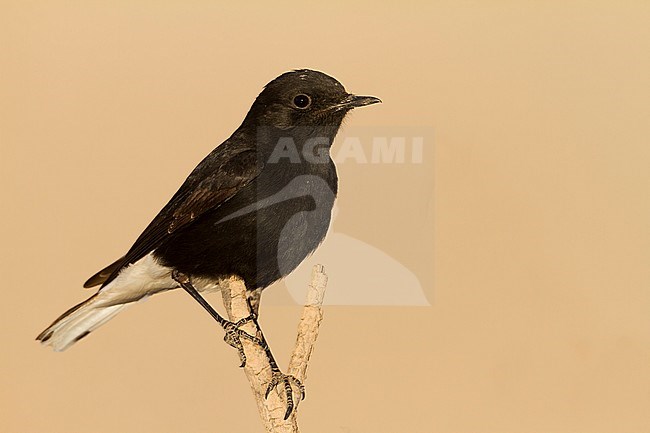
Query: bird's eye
<point x="302" y="101"/>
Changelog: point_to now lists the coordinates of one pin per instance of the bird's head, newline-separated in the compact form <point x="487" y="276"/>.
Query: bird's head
<point x="304" y="98"/>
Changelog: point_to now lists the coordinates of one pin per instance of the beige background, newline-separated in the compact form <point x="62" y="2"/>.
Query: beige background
<point x="527" y="223"/>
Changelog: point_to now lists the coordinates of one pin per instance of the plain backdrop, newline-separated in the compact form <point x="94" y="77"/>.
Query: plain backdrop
<point x="526" y="224"/>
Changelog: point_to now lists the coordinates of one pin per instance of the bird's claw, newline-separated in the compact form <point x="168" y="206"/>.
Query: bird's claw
<point x="234" y="336"/>
<point x="287" y="380"/>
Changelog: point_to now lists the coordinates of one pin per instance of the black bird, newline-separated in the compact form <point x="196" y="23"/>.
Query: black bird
<point x="255" y="208"/>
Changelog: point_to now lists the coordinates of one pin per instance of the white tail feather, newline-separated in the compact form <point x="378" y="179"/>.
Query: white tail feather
<point x="134" y="282"/>
<point x="77" y="323"/>
<point x="137" y="281"/>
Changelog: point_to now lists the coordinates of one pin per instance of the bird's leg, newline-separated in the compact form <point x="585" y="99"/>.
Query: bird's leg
<point x="277" y="377"/>
<point x="233" y="333"/>
<point x="253" y="297"/>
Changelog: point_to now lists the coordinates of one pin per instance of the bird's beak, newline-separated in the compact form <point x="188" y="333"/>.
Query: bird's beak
<point x="353" y="101"/>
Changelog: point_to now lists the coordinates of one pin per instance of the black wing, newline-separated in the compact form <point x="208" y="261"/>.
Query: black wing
<point x="215" y="180"/>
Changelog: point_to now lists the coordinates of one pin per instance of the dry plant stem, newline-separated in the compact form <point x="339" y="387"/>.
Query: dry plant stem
<point x="258" y="369"/>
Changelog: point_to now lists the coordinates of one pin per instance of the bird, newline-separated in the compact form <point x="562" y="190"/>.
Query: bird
<point x="254" y="208"/>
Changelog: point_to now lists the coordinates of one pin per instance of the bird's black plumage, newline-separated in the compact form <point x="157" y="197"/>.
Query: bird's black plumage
<point x="251" y="208"/>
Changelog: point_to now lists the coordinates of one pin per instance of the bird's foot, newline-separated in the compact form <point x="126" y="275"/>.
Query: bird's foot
<point x="234" y="336"/>
<point x="288" y="382"/>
